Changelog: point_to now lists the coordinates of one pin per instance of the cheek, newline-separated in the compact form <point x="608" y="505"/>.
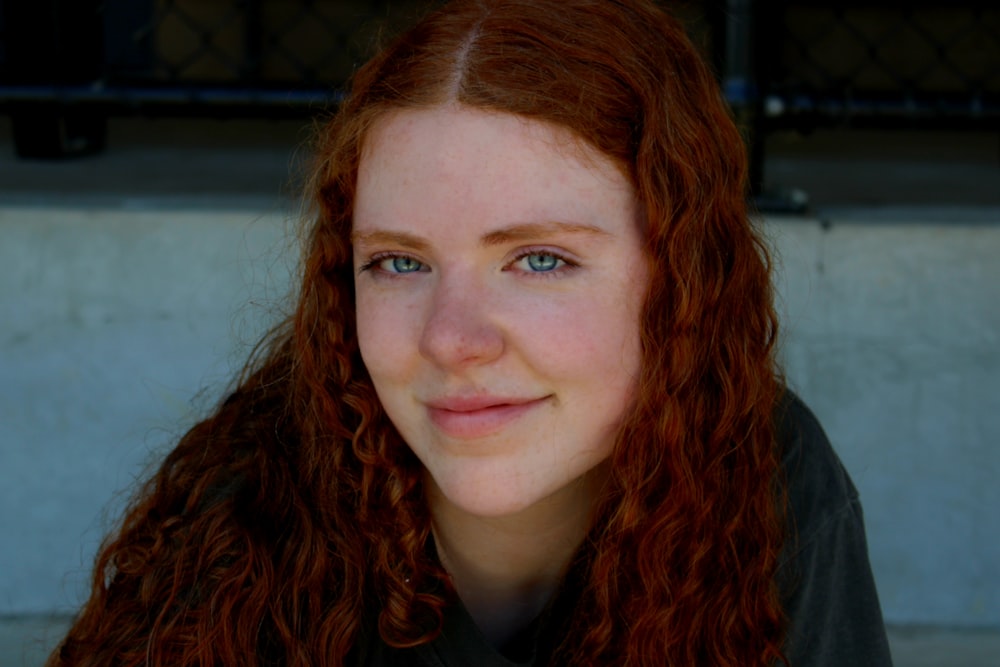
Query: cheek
<point x="381" y="335"/>
<point x="593" y="339"/>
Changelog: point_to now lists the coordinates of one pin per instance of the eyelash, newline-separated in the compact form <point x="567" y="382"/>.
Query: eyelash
<point x="567" y="263"/>
<point x="372" y="265"/>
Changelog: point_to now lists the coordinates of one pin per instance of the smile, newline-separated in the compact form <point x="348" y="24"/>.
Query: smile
<point x="470" y="418"/>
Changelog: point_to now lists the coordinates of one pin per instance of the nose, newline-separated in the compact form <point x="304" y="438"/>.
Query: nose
<point x="459" y="330"/>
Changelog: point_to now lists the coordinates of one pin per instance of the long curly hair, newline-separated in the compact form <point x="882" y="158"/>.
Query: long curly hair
<point x="291" y="524"/>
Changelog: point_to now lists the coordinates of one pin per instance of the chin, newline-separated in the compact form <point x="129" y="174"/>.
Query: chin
<point x="494" y="497"/>
<point x="488" y="502"/>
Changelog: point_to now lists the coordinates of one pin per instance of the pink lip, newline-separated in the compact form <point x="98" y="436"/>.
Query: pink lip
<point x="479" y="416"/>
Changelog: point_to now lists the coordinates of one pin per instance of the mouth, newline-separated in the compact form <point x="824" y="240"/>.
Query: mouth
<point x="477" y="417"/>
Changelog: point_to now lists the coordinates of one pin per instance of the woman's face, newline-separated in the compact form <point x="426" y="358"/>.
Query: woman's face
<point x="500" y="277"/>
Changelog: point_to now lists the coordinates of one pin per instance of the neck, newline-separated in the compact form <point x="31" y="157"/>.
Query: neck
<point x="505" y="569"/>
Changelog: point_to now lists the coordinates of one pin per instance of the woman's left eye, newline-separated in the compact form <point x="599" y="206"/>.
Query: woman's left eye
<point x="540" y="262"/>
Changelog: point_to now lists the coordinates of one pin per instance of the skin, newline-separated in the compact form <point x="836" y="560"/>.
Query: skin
<point x="499" y="288"/>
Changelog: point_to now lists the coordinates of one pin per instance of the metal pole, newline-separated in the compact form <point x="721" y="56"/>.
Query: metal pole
<point x="740" y="86"/>
<point x="56" y="42"/>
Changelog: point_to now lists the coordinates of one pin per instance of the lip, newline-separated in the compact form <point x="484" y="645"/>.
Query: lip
<point x="478" y="416"/>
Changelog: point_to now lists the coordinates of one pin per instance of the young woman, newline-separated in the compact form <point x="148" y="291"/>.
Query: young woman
<point x="527" y="409"/>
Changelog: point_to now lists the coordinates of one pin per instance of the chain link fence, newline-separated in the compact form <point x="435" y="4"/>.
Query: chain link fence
<point x="277" y="52"/>
<point x="783" y="63"/>
<point x="851" y="62"/>
<point x="255" y="57"/>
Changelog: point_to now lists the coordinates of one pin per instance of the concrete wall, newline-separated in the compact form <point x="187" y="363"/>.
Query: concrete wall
<point x="117" y="327"/>
<point x="892" y="332"/>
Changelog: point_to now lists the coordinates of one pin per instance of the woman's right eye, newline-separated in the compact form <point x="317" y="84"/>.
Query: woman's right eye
<point x="394" y="264"/>
<point x="402" y="265"/>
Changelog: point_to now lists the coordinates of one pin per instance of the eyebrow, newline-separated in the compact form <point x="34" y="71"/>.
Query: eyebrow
<point x="390" y="238"/>
<point x="522" y="232"/>
<point x="535" y="230"/>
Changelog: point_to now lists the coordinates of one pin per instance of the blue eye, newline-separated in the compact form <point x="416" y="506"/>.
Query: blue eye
<point x="404" y="264"/>
<point x="388" y="264"/>
<point x="542" y="262"/>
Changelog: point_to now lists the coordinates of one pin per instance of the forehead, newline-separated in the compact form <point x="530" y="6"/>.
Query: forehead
<point x="475" y="162"/>
<point x="476" y="125"/>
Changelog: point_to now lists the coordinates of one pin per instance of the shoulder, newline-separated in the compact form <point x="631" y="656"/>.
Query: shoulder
<point x="829" y="594"/>
<point x="819" y="489"/>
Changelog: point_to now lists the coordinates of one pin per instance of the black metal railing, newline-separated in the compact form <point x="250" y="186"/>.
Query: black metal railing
<point x="65" y="65"/>
<point x="258" y="57"/>
<point x="917" y="62"/>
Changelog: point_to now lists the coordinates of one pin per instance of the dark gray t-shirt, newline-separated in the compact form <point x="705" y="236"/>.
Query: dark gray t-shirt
<point x="831" y="602"/>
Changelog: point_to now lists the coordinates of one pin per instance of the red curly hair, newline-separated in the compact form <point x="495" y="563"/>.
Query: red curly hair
<point x="293" y="520"/>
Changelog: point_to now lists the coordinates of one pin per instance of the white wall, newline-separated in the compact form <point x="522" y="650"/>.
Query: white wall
<point x="112" y="321"/>
<point x="117" y="328"/>
<point x="892" y="332"/>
